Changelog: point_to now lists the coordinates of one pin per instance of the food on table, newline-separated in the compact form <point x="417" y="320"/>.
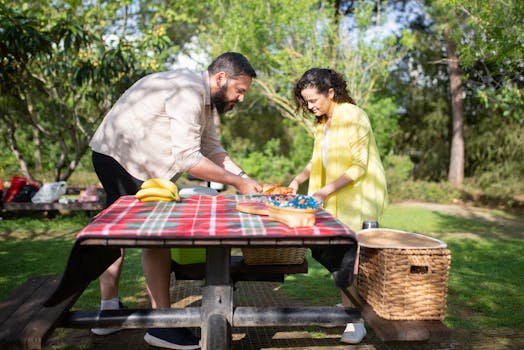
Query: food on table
<point x="158" y="190"/>
<point x="298" y="212"/>
<point x="299" y="202"/>
<point x="275" y="188"/>
<point x="292" y="217"/>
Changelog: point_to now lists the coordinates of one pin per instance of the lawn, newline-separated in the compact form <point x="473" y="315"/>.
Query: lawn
<point x="484" y="286"/>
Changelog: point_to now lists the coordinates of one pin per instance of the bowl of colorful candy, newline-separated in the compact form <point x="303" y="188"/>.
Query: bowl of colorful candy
<point x="297" y="212"/>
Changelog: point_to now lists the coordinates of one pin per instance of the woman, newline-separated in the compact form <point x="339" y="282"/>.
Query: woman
<point x="345" y="171"/>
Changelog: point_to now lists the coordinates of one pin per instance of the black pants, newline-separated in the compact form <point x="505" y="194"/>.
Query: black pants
<point x="86" y="263"/>
<point x="340" y="260"/>
<point x="115" y="179"/>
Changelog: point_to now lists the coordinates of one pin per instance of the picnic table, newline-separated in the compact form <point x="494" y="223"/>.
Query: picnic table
<point x="197" y="221"/>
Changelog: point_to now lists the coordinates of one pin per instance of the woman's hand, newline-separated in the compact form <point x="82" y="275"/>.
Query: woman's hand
<point x="320" y="196"/>
<point x="294" y="185"/>
<point x="332" y="188"/>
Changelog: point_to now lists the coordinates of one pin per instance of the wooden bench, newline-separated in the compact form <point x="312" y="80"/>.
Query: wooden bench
<point x="25" y="323"/>
<point x="386" y="330"/>
<point x="59" y="207"/>
<point x="56" y="206"/>
<point x="240" y="271"/>
<point x="393" y="330"/>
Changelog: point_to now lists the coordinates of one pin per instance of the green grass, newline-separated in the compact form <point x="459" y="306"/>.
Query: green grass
<point x="38" y="223"/>
<point x="22" y="259"/>
<point x="484" y="284"/>
<point x="132" y="285"/>
<point x="34" y="245"/>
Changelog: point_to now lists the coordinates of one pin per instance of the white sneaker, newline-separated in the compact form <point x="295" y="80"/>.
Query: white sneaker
<point x="107" y="331"/>
<point x="354" y="333"/>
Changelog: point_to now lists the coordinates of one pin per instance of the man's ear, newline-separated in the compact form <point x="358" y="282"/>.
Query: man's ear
<point x="220" y="79"/>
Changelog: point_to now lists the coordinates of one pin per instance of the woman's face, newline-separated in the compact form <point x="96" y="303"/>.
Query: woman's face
<point x="319" y="104"/>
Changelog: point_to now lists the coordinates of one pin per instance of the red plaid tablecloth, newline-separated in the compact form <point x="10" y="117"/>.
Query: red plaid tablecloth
<point x="199" y="217"/>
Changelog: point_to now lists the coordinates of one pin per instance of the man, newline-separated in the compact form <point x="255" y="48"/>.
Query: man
<point x="162" y="126"/>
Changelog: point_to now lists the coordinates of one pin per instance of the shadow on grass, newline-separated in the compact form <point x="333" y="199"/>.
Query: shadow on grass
<point x="20" y="259"/>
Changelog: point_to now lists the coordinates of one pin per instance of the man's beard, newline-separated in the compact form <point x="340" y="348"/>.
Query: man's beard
<point x="219" y="100"/>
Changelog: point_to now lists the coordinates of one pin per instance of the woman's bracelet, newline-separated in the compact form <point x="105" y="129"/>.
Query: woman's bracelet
<point x="241" y="173"/>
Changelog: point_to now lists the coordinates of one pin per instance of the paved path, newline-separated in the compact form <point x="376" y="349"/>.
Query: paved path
<point x="508" y="226"/>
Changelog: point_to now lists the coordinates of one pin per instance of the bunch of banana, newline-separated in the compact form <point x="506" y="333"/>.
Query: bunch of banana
<point x="158" y="190"/>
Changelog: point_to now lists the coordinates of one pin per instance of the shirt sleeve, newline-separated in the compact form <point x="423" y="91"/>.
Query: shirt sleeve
<point x="359" y="131"/>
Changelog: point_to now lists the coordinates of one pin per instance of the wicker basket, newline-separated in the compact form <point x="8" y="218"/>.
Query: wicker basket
<point x="405" y="284"/>
<point x="272" y="256"/>
<point x="292" y="217"/>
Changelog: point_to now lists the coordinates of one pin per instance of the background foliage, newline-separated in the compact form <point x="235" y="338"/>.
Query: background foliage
<point x="64" y="63"/>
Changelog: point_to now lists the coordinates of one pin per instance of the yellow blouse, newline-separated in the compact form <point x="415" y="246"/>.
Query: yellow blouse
<point x="351" y="150"/>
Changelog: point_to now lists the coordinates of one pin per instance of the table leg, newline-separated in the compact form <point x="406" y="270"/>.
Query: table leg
<point x="217" y="300"/>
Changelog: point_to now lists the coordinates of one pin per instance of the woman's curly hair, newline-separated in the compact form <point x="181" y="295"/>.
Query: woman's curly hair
<point x="322" y="79"/>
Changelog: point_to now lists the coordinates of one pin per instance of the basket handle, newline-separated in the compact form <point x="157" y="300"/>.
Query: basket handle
<point x="419" y="265"/>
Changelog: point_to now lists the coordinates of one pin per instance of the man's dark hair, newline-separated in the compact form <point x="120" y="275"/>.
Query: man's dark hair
<point x="234" y="64"/>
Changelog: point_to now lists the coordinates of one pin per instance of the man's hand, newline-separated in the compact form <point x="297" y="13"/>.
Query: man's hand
<point x="248" y="186"/>
<point x="208" y="170"/>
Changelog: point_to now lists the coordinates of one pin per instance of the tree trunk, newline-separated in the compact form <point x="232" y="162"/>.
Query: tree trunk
<point x="38" y="156"/>
<point x="456" y="161"/>
<point x="13" y="145"/>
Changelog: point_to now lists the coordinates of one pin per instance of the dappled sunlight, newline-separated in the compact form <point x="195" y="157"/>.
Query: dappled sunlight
<point x="487" y="277"/>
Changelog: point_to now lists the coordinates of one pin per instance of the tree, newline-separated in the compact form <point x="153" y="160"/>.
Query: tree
<point x="467" y="53"/>
<point x="485" y="34"/>
<point x="98" y="50"/>
<point x="456" y="159"/>
<point x="420" y="84"/>
<point x="285" y="38"/>
<point x="491" y="47"/>
<point x="66" y="65"/>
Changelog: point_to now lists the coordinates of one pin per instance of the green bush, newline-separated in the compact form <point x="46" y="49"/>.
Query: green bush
<point x="398" y="170"/>
<point x="383" y="115"/>
<point x="269" y="165"/>
<point x="434" y="192"/>
<point x="500" y="181"/>
<point x="268" y="147"/>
